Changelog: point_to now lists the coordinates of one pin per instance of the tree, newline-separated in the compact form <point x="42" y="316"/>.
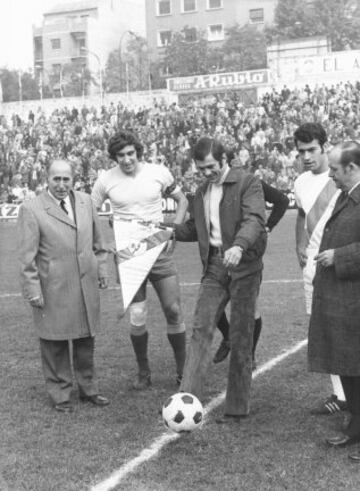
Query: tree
<point x="138" y="60"/>
<point x="339" y="20"/>
<point x="183" y="57"/>
<point x="244" y="48"/>
<point x="76" y="78"/>
<point x="30" y="88"/>
<point x="17" y="84"/>
<point x="128" y="68"/>
<point x="113" y="70"/>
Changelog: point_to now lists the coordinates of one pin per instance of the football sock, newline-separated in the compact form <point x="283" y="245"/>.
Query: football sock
<point x="140" y="344"/>
<point x="337" y="387"/>
<point x="223" y="326"/>
<point x="256" y="335"/>
<point x="178" y="342"/>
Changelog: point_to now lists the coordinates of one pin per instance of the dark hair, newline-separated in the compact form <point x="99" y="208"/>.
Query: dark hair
<point x="350" y="152"/>
<point x="308" y="132"/>
<point x="121" y="140"/>
<point x="208" y="146"/>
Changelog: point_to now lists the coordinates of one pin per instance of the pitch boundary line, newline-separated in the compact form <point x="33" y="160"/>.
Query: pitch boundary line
<point x="160" y="442"/>
<point x="112" y="288"/>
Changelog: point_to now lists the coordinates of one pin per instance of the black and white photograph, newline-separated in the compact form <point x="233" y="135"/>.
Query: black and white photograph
<point x="180" y="245"/>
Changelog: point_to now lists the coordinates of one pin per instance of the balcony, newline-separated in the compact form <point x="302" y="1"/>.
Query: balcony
<point x="77" y="27"/>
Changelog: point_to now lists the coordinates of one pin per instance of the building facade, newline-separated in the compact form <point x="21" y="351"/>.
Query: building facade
<point x="212" y="17"/>
<point x="83" y="33"/>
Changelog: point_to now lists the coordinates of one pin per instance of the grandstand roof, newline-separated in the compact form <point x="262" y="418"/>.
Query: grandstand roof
<point x="72" y="6"/>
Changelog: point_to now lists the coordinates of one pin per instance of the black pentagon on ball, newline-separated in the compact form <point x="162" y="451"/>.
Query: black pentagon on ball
<point x="187" y="399"/>
<point x="168" y="402"/>
<point x="179" y="417"/>
<point x="197" y="417"/>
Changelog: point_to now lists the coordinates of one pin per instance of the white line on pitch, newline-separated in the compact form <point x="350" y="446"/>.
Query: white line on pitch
<point x="111" y="288"/>
<point x="165" y="438"/>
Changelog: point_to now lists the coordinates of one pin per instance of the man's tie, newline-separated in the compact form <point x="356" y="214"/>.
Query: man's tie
<point x="63" y="207"/>
<point x="343" y="197"/>
<point x="341" y="201"/>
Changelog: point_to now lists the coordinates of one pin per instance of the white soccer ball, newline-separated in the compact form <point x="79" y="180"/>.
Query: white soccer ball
<point x="182" y="412"/>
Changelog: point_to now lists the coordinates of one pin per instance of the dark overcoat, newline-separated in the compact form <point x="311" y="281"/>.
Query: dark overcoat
<point x="62" y="261"/>
<point x="334" y="333"/>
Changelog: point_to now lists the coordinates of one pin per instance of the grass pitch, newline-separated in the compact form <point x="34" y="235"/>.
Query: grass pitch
<point x="279" y="447"/>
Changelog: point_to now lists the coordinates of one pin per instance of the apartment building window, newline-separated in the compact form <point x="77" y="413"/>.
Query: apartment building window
<point x="164" y="38"/>
<point x="163" y="7"/>
<point x="256" y="16"/>
<point x="214" y="4"/>
<point x="188" y="6"/>
<point x="55" y="43"/>
<point x="190" y="34"/>
<point x="215" y="32"/>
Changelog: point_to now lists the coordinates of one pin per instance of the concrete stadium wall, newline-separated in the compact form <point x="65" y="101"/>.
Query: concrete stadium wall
<point x="133" y="100"/>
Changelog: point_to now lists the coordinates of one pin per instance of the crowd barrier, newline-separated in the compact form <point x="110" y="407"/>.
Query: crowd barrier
<point x="10" y="211"/>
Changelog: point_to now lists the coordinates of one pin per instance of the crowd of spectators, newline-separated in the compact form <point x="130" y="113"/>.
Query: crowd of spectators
<point x="259" y="135"/>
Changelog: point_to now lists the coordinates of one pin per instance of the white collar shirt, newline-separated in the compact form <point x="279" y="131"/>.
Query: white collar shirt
<point x="212" y="201"/>
<point x="68" y="205"/>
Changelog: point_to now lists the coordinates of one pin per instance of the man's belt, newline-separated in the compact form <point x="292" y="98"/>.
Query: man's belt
<point x="215" y="251"/>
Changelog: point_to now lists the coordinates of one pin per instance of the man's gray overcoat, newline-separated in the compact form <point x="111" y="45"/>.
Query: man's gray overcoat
<point x="62" y="261"/>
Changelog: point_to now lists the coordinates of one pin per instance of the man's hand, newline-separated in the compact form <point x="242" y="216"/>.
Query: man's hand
<point x="326" y="258"/>
<point x="302" y="257"/>
<point x="37" y="302"/>
<point x="170" y="245"/>
<point x="232" y="256"/>
<point x="103" y="283"/>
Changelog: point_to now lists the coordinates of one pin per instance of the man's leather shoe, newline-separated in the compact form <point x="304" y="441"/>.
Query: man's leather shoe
<point x="342" y="440"/>
<point x="64" y="407"/>
<point x="229" y="419"/>
<point x="355" y="457"/>
<point x="222" y="351"/>
<point x="96" y="399"/>
<point x="142" y="381"/>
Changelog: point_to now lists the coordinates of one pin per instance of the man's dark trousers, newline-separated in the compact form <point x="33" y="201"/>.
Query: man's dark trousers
<point x="218" y="286"/>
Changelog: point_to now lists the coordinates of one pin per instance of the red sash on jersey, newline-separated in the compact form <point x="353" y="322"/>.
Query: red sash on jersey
<point x="320" y="205"/>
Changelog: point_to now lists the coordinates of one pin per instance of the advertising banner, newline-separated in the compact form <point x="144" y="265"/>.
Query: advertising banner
<point x="216" y="81"/>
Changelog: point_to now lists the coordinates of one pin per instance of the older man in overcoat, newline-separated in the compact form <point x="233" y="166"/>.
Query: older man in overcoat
<point x="62" y="265"/>
<point x="334" y="335"/>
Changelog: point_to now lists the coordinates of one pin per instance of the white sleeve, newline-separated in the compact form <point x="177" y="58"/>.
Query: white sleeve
<point x="297" y="194"/>
<point x="98" y="194"/>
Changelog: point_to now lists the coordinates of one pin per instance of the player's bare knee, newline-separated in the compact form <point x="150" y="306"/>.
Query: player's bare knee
<point x="138" y="314"/>
<point x="173" y="313"/>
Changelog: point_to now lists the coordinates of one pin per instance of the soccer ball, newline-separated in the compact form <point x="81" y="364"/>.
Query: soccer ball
<point x="182" y="412"/>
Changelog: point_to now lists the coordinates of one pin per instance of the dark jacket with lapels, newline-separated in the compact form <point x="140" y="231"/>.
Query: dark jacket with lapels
<point x="242" y="221"/>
